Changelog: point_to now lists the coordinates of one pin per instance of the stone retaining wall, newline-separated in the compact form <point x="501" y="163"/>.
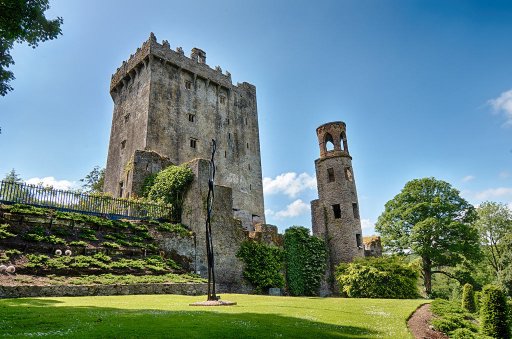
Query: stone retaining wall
<point x="93" y="290"/>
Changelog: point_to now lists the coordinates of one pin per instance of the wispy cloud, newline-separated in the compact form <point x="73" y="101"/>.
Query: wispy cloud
<point x="468" y="178"/>
<point x="296" y="208"/>
<point x="504" y="174"/>
<point x="51" y="181"/>
<point x="290" y="184"/>
<point x="367" y="225"/>
<point x="503" y="105"/>
<point x="494" y="193"/>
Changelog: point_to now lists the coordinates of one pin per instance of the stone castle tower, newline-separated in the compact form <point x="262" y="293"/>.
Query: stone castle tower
<point x="167" y="109"/>
<point x="335" y="214"/>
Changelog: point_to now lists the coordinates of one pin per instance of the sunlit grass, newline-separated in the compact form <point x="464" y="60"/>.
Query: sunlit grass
<point x="171" y="316"/>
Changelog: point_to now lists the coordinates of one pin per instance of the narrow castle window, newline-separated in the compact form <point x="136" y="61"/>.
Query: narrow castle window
<point x="127" y="117"/>
<point x="229" y="136"/>
<point x="246" y="121"/>
<point x="337" y="211"/>
<point x="247" y="145"/>
<point x="193" y="143"/>
<point x="359" y="241"/>
<point x="355" y="210"/>
<point x="225" y="154"/>
<point x="123" y="144"/>
<point x="121" y="189"/>
<point x="188" y="84"/>
<point x="222" y="99"/>
<point x="348" y="174"/>
<point x="250" y="187"/>
<point x="330" y="173"/>
<point x="228" y="121"/>
<point x="191" y="117"/>
<point x="249" y="166"/>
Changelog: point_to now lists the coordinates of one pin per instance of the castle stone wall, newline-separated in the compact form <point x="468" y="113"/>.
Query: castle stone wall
<point x="183" y="104"/>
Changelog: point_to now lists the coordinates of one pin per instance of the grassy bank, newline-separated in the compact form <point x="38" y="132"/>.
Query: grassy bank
<point x="170" y="316"/>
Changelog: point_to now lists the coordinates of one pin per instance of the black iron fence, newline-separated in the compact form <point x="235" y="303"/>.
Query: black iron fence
<point x="112" y="208"/>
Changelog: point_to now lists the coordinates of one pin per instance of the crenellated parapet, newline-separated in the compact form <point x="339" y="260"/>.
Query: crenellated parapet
<point x="151" y="51"/>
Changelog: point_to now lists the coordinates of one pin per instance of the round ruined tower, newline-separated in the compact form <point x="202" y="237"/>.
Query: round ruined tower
<point x="335" y="214"/>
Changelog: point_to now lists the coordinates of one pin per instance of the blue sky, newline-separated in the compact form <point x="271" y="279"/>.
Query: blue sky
<point x="423" y="87"/>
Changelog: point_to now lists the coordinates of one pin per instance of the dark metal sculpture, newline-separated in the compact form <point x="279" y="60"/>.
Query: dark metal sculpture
<point x="209" y="243"/>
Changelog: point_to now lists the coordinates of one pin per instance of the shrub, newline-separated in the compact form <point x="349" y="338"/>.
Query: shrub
<point x="78" y="243"/>
<point x="477" y="301"/>
<point x="494" y="313"/>
<point x="111" y="245"/>
<point x="4" y="233"/>
<point x="88" y="234"/>
<point x="468" y="298"/>
<point x="305" y="261"/>
<point x="450" y="317"/>
<point x="463" y="333"/>
<point x="174" y="228"/>
<point x="262" y="265"/>
<point x="386" y="277"/>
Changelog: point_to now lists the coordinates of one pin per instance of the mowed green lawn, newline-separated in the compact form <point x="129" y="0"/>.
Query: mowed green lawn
<point x="170" y="316"/>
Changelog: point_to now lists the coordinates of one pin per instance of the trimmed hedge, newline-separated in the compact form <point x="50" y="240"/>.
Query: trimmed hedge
<point x="305" y="260"/>
<point x="468" y="298"/>
<point x="494" y="313"/>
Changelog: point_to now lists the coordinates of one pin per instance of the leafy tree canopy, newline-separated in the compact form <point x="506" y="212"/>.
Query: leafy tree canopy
<point x="13" y="177"/>
<point x="93" y="182"/>
<point x="22" y="21"/>
<point x="429" y="218"/>
<point x="495" y="227"/>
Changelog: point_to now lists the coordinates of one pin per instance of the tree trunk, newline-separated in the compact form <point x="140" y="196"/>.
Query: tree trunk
<point x="427" y="276"/>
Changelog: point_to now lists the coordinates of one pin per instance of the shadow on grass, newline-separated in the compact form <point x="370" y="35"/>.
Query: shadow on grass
<point x="36" y="317"/>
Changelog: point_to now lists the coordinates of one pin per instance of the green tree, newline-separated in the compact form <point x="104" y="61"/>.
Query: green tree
<point x="22" y="21"/>
<point x="7" y="188"/>
<point x="93" y="182"/>
<point x="430" y="219"/>
<point x="13" y="177"/>
<point x="495" y="227"/>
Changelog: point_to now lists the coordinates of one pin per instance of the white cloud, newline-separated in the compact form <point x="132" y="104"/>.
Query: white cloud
<point x="296" y="208"/>
<point x="503" y="104"/>
<point x="493" y="193"/>
<point x="367" y="224"/>
<point x="468" y="178"/>
<point x="504" y="174"/>
<point x="51" y="181"/>
<point x="289" y="183"/>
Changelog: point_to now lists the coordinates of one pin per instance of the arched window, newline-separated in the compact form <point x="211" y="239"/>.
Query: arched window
<point x="329" y="143"/>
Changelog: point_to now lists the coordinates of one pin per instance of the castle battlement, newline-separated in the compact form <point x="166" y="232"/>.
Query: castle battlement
<point x="195" y="64"/>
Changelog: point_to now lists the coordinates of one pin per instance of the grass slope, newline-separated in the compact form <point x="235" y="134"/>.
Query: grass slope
<point x="154" y="316"/>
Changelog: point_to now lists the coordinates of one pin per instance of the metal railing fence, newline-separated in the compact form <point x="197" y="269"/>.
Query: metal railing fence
<point x="70" y="201"/>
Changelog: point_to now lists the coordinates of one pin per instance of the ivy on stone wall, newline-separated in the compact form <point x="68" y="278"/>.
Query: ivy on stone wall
<point x="263" y="264"/>
<point x="169" y="186"/>
<point x="305" y="259"/>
